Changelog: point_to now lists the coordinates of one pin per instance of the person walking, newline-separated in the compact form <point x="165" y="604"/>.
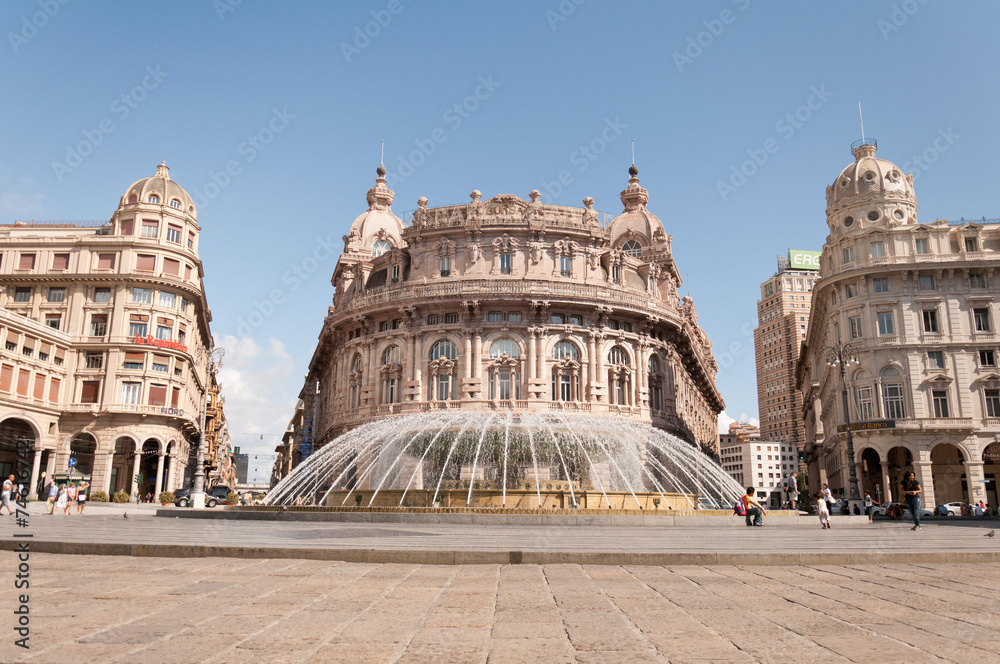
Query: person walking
<point x="870" y="507"/>
<point x="911" y="491"/>
<point x="70" y="498"/>
<point x="50" y="501"/>
<point x="8" y="489"/>
<point x="81" y="497"/>
<point x="823" y="509"/>
<point x="828" y="497"/>
<point x="62" y="500"/>
<point x="793" y="489"/>
<point x="753" y="508"/>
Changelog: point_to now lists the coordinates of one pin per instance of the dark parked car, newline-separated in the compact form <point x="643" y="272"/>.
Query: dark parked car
<point x="214" y="496"/>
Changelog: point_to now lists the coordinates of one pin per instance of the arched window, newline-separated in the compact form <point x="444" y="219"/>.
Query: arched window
<point x="445" y="349"/>
<point x="565" y="349"/>
<point x="392" y="375"/>
<point x="507" y="347"/>
<point x="892" y="393"/>
<point x="619" y="377"/>
<point x="505" y="370"/>
<point x="174" y="203"/>
<point x="632" y="248"/>
<point x="354" y="382"/>
<point x="380" y="247"/>
<point x="655" y="382"/>
<point x="153" y="199"/>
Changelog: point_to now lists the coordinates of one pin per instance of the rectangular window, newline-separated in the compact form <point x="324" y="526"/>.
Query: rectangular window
<point x="187" y="272"/>
<point x="57" y="294"/>
<point x="880" y="285"/>
<point x="39" y="391"/>
<point x="992" y="403"/>
<point x="26" y="262"/>
<point x="150" y="228"/>
<point x="173" y="234"/>
<point x="575" y="320"/>
<point x="105" y="261"/>
<point x="23" y="378"/>
<point x="181" y="335"/>
<point x="54" y="384"/>
<point x="987" y="358"/>
<point x="451" y="319"/>
<point x="935" y="359"/>
<point x="564" y="266"/>
<point x="98" y="325"/>
<point x="930" y="320"/>
<point x="190" y="240"/>
<point x="127" y="226"/>
<point x="855" y="322"/>
<point x="6" y="377"/>
<point x="878" y="249"/>
<point x="89" y="390"/>
<point x="940" y="403"/>
<point x="184" y="304"/>
<point x="53" y="320"/>
<point x="922" y="246"/>
<point x="849" y="255"/>
<point x="142" y="295"/>
<point x="445" y="266"/>
<point x="160" y="364"/>
<point x="977" y="280"/>
<point x="981" y="317"/>
<point x="134" y="360"/>
<point x="971" y="244"/>
<point x="925" y="282"/>
<point x="866" y="403"/>
<point x="433" y="319"/>
<point x="397" y="323"/>
<point x="60" y="261"/>
<point x="514" y="317"/>
<point x="893" y="401"/>
<point x="22" y="294"/>
<point x="95" y="360"/>
<point x="136" y="329"/>
<point x="504" y="263"/>
<point x="885" y="326"/>
<point x="145" y="262"/>
<point x="850" y="290"/>
<point x="163" y="332"/>
<point x="131" y="393"/>
<point x="175" y="397"/>
<point x="383" y="326"/>
<point x="172" y="267"/>
<point x="557" y="319"/>
<point x="494" y="317"/>
<point x="395" y="273"/>
<point x="168" y="300"/>
<point x="102" y="295"/>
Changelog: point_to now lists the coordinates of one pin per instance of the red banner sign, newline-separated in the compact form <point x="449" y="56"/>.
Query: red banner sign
<point x="150" y="340"/>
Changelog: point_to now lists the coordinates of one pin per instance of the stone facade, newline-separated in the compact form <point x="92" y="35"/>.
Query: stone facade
<point x="100" y="324"/>
<point x="917" y="303"/>
<point x="507" y="304"/>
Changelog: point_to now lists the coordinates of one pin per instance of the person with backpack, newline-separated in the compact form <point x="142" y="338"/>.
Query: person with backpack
<point x="754" y="510"/>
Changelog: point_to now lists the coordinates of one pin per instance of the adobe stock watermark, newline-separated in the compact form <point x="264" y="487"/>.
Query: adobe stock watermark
<point x="699" y="43"/>
<point x="898" y="17"/>
<point x="786" y="127"/>
<point x="562" y="12"/>
<point x="248" y="149"/>
<point x="223" y="7"/>
<point x="920" y="163"/>
<point x="293" y="278"/>
<point x="583" y="157"/>
<point x="363" y="35"/>
<point x="30" y="25"/>
<point x="454" y="117"/>
<point x="121" y="108"/>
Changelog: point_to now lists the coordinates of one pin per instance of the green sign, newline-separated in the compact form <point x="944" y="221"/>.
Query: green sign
<point x="804" y="260"/>
<point x="873" y="425"/>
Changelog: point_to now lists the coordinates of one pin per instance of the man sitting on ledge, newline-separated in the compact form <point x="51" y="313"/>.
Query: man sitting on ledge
<point x="753" y="508"/>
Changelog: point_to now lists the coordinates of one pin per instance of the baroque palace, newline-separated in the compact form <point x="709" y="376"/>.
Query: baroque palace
<point x="503" y="304"/>
<point x="104" y="328"/>
<point x="913" y="308"/>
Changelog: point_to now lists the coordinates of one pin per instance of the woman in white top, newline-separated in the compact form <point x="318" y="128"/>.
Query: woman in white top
<point x="62" y="501"/>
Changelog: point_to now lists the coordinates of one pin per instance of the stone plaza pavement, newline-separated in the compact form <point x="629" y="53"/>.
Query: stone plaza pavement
<point x="129" y="610"/>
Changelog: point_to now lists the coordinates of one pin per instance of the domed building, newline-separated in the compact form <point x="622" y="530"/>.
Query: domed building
<point x="507" y="305"/>
<point x="105" y="328"/>
<point x="908" y="310"/>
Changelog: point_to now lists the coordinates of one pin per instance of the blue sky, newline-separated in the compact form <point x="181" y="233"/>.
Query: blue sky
<point x="295" y="97"/>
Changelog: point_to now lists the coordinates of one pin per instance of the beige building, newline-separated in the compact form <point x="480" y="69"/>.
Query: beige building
<point x="507" y="304"/>
<point x="103" y="327"/>
<point x="916" y="305"/>
<point x="762" y="464"/>
<point x="782" y="315"/>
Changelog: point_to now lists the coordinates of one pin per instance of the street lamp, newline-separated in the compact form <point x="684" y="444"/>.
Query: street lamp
<point x="211" y="364"/>
<point x="841" y="354"/>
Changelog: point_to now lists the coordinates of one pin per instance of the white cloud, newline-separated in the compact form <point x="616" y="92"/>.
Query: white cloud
<point x="260" y="386"/>
<point x="725" y="420"/>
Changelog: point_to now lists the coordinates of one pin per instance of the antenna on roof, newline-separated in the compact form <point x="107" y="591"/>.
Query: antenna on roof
<point x="862" y="118"/>
<point x="633" y="151"/>
<point x="381" y="157"/>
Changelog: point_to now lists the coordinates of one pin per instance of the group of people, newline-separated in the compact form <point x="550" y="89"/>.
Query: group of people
<point x="974" y="509"/>
<point x="63" y="497"/>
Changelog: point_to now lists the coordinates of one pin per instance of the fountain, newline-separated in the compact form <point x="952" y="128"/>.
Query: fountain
<point x="508" y="460"/>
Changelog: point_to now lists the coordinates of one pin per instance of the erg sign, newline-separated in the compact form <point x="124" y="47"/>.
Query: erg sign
<point x="801" y="259"/>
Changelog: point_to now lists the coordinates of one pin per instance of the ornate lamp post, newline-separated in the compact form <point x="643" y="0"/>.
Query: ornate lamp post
<point x="839" y="355"/>
<point x="208" y="355"/>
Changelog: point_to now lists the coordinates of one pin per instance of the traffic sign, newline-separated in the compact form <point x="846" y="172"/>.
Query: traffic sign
<point x="72" y="462"/>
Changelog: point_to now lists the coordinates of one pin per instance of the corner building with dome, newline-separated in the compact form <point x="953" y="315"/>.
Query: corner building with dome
<point x="916" y="305"/>
<point x="504" y="304"/>
<point x="103" y="327"/>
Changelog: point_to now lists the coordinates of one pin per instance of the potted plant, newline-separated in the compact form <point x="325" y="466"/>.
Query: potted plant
<point x="99" y="497"/>
<point x="166" y="498"/>
<point x="120" y="497"/>
<point x="232" y="498"/>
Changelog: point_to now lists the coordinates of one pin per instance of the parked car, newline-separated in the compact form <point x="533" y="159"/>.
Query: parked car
<point x="954" y="509"/>
<point x="214" y="496"/>
<point x="901" y="510"/>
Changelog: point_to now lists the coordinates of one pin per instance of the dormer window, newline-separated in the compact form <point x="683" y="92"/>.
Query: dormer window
<point x="176" y="204"/>
<point x="632" y="248"/>
<point x="380" y="247"/>
<point x="153" y="199"/>
<point x="971" y="244"/>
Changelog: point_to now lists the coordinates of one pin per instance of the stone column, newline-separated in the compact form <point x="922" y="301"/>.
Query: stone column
<point x="159" y="476"/>
<point x="532" y="352"/>
<point x="419" y="366"/>
<point x="171" y="469"/>
<point x="36" y="466"/>
<point x="887" y="489"/>
<point x="599" y="373"/>
<point x="540" y="356"/>
<point x="411" y="358"/>
<point x="973" y="479"/>
<point x="468" y="354"/>
<point x="477" y="352"/>
<point x="926" y="478"/>
<point x="591" y="359"/>
<point x="372" y="372"/>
